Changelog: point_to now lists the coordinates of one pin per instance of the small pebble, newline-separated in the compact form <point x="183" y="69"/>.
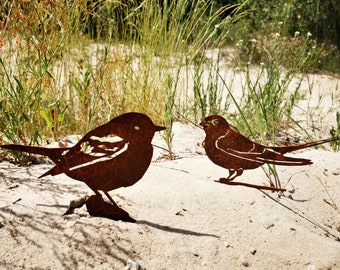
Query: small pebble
<point x="244" y="261"/>
<point x="226" y="244"/>
<point x="269" y="225"/>
<point x="245" y="264"/>
<point x="13" y="186"/>
<point x="132" y="265"/>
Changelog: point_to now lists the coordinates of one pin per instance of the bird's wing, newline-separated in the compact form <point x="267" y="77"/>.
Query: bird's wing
<point x="272" y="157"/>
<point x="252" y="152"/>
<point x="89" y="150"/>
<point x="238" y="154"/>
<point x="236" y="141"/>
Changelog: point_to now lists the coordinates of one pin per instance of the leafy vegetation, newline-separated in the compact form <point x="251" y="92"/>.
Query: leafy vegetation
<point x="68" y="66"/>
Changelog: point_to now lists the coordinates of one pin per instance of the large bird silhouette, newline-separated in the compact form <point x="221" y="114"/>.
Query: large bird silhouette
<point x="231" y="150"/>
<point x="103" y="162"/>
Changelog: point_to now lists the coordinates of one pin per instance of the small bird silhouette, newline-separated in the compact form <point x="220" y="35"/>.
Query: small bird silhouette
<point x="231" y="150"/>
<point x="103" y="162"/>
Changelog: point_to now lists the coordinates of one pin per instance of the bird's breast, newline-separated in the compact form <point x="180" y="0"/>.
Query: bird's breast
<point x="122" y="170"/>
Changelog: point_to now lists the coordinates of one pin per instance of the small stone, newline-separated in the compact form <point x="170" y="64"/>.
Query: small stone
<point x="291" y="189"/>
<point x="245" y="264"/>
<point x="13" y="186"/>
<point x="269" y="225"/>
<point x="132" y="265"/>
<point x="253" y="251"/>
<point x="245" y="261"/>
<point x="76" y="203"/>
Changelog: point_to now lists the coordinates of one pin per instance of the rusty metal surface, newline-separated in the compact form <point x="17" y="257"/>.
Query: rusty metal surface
<point x="113" y="155"/>
<point x="229" y="149"/>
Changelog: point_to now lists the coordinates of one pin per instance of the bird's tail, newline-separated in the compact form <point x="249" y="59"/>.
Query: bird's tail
<point x="286" y="161"/>
<point x="287" y="149"/>
<point x="53" y="153"/>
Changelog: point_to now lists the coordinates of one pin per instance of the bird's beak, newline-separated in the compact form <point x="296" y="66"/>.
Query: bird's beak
<point x="204" y="124"/>
<point x="159" y="128"/>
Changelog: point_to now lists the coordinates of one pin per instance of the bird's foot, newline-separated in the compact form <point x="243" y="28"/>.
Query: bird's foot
<point x="97" y="207"/>
<point x="224" y="180"/>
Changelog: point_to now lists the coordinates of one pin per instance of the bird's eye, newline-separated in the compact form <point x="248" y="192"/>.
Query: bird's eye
<point x="136" y="127"/>
<point x="214" y="122"/>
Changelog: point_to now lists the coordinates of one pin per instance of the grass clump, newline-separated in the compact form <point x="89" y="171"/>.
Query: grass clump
<point x="296" y="19"/>
<point x="132" y="63"/>
<point x="335" y="133"/>
<point x="66" y="67"/>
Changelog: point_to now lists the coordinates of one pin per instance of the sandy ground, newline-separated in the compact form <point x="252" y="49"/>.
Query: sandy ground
<point x="185" y="220"/>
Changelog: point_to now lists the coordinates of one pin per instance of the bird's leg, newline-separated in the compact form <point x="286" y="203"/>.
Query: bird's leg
<point x="238" y="173"/>
<point x="232" y="175"/>
<point x="97" y="207"/>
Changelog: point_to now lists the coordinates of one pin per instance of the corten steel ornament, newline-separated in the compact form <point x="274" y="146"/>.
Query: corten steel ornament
<point x="102" y="162"/>
<point x="231" y="150"/>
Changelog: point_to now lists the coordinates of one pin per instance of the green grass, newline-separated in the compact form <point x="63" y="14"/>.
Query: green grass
<point x="335" y="133"/>
<point x="48" y="64"/>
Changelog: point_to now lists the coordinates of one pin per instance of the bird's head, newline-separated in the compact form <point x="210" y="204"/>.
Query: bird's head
<point x="135" y="126"/>
<point x="214" y="122"/>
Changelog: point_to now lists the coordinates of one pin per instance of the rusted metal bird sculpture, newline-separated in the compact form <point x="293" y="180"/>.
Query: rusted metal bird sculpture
<point x="231" y="150"/>
<point x="103" y="162"/>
